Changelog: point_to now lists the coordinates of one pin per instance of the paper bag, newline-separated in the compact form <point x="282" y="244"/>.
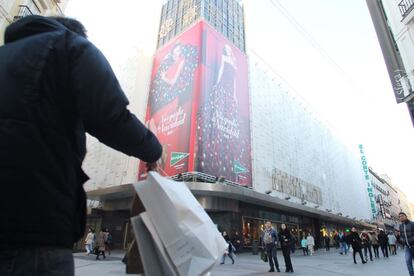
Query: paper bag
<point x="190" y="238"/>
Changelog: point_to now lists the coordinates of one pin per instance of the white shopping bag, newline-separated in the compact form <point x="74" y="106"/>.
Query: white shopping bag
<point x="190" y="238"/>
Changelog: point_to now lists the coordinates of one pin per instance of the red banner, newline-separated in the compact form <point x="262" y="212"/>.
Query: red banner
<point x="223" y="132"/>
<point x="199" y="106"/>
<point x="174" y="81"/>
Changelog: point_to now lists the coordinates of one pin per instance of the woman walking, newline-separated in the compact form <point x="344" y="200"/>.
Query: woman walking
<point x="311" y="243"/>
<point x="89" y="241"/>
<point x="230" y="249"/>
<point x="366" y="245"/>
<point x="355" y="242"/>
<point x="100" y="245"/>
<point x="375" y="244"/>
<point x="392" y="240"/>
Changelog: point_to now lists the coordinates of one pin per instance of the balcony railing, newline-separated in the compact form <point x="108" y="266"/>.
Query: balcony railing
<point x="406" y="6"/>
<point x="26" y="10"/>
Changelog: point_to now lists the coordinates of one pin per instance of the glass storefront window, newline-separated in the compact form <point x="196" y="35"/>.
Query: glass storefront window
<point x="253" y="228"/>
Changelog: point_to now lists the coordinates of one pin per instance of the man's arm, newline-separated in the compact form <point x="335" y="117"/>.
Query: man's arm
<point x="102" y="104"/>
<point x="276" y="236"/>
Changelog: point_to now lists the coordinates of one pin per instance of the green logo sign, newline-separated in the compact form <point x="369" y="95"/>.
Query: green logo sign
<point x="177" y="157"/>
<point x="238" y="168"/>
<point x="368" y="181"/>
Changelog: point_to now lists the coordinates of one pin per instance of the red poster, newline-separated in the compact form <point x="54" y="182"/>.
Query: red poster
<point x="223" y="124"/>
<point x="199" y="106"/>
<point x="174" y="81"/>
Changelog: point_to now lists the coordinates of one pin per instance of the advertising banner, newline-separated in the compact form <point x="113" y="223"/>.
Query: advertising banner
<point x="199" y="106"/>
<point x="174" y="81"/>
<point x="223" y="122"/>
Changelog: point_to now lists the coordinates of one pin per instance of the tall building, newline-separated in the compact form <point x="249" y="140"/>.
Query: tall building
<point x="248" y="149"/>
<point x="11" y="10"/>
<point x="387" y="202"/>
<point x="406" y="205"/>
<point x="393" y="22"/>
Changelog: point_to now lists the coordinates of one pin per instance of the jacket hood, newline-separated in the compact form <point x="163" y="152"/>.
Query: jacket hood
<point x="31" y="25"/>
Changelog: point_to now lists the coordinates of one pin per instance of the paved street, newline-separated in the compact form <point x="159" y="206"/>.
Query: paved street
<point x="322" y="264"/>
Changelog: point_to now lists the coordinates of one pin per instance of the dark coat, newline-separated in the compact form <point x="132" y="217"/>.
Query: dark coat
<point x="382" y="239"/>
<point x="409" y="228"/>
<point x="55" y="86"/>
<point x="354" y="240"/>
<point x="285" y="238"/>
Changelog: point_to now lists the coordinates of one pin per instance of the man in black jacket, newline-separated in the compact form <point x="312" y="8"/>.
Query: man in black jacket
<point x="383" y="241"/>
<point x="55" y="86"/>
<point x="407" y="238"/>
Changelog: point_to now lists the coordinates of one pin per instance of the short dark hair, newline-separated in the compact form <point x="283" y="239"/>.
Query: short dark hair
<point x="402" y="213"/>
<point x="72" y="25"/>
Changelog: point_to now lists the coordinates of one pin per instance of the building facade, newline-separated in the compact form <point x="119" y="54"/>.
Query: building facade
<point x="248" y="148"/>
<point x="11" y="10"/>
<point x="393" y="22"/>
<point x="387" y="202"/>
<point x="406" y="205"/>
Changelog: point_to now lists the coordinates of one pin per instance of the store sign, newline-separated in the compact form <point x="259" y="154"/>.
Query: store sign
<point x="294" y="186"/>
<point x="367" y="178"/>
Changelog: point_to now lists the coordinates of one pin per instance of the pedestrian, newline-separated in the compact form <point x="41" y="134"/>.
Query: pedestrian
<point x="55" y="87"/>
<point x="293" y="243"/>
<point x="355" y="241"/>
<point x="108" y="241"/>
<point x="383" y="242"/>
<point x="327" y="241"/>
<point x="269" y="240"/>
<point x="392" y="241"/>
<point x="100" y="245"/>
<point x="342" y="243"/>
<point x="337" y="240"/>
<point x="304" y="245"/>
<point x="407" y="238"/>
<point x="237" y="242"/>
<point x="311" y="243"/>
<point x="230" y="249"/>
<point x="89" y="242"/>
<point x="400" y="245"/>
<point x="375" y="244"/>
<point x="228" y="253"/>
<point x="226" y="236"/>
<point x="366" y="245"/>
<point x="286" y="239"/>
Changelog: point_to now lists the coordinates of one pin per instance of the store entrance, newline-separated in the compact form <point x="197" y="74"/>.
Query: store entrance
<point x="253" y="228"/>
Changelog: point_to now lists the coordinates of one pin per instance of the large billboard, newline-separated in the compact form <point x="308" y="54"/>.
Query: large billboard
<point x="199" y="106"/>
<point x="223" y="121"/>
<point x="174" y="83"/>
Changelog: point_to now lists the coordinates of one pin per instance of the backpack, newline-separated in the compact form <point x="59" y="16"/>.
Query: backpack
<point x="267" y="237"/>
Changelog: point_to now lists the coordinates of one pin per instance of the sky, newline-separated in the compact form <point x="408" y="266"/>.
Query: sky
<point x="326" y="51"/>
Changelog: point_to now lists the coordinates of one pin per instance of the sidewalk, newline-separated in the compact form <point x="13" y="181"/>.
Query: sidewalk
<point x="321" y="264"/>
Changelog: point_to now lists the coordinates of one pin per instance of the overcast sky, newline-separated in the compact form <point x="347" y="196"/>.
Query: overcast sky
<point x="347" y="84"/>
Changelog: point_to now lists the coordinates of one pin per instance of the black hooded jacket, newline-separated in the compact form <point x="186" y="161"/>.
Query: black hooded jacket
<point x="55" y="86"/>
